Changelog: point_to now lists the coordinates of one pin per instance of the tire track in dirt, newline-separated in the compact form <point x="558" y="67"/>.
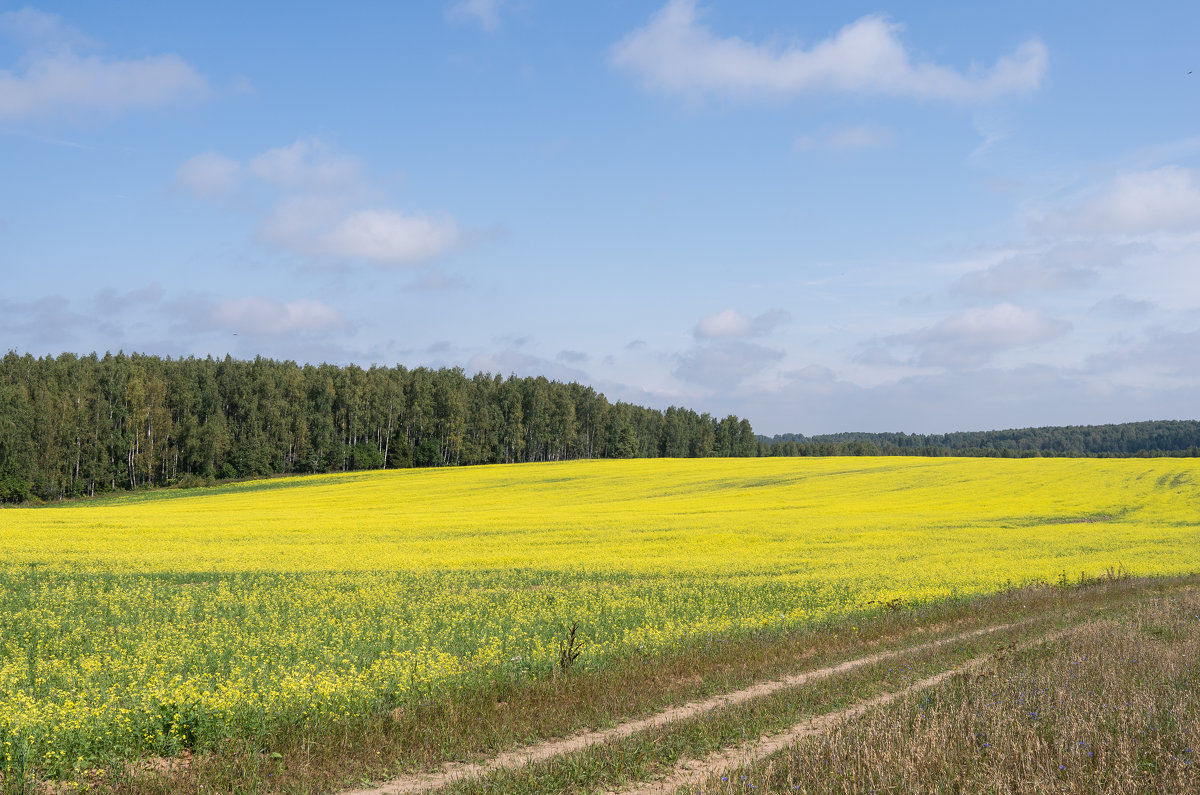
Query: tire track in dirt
<point x="691" y="772"/>
<point x="512" y="760"/>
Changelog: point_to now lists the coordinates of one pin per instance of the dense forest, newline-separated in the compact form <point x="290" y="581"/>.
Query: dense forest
<point x="1159" y="438"/>
<point x="72" y="426"/>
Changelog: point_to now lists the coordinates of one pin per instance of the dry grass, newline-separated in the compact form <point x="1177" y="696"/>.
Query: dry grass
<point x="1112" y="708"/>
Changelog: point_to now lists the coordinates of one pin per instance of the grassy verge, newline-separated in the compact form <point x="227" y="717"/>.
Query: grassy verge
<point x="477" y="722"/>
<point x="1114" y="707"/>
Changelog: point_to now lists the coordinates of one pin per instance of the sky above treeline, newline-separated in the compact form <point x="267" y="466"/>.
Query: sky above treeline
<point x="820" y="216"/>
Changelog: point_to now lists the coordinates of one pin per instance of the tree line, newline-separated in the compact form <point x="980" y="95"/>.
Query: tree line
<point x="1131" y="439"/>
<point x="80" y="425"/>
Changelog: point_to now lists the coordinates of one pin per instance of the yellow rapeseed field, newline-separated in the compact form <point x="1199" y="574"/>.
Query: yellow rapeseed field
<point x="152" y="622"/>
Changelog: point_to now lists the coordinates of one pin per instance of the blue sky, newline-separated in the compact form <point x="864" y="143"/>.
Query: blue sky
<point x="823" y="217"/>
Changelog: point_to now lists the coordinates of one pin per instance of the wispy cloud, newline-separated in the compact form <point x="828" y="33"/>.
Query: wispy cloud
<point x="675" y="53"/>
<point x="53" y="77"/>
<point x="268" y="316"/>
<point x="1067" y="265"/>
<point x="209" y="175"/>
<point x="485" y="13"/>
<point x="973" y="337"/>
<point x="725" y="364"/>
<point x="732" y="324"/>
<point x="307" y="164"/>
<point x="841" y="139"/>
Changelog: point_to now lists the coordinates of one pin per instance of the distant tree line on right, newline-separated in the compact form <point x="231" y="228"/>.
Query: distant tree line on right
<point x="1126" y="440"/>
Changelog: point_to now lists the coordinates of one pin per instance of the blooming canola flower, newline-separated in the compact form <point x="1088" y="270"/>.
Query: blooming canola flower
<point x="151" y="622"/>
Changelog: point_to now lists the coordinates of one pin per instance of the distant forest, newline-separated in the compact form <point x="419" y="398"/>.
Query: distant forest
<point x="1157" y="438"/>
<point x="73" y="426"/>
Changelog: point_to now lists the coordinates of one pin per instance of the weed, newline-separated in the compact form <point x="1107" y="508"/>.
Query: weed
<point x="569" y="649"/>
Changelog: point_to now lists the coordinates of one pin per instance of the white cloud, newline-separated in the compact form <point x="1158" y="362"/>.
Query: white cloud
<point x="485" y="13"/>
<point x="973" y="337"/>
<point x="318" y="196"/>
<point x="54" y="78"/>
<point x="860" y="136"/>
<point x="309" y="164"/>
<point x="209" y="175"/>
<point x="732" y="324"/>
<point x="726" y="323"/>
<point x="271" y="317"/>
<point x="674" y="53"/>
<point x="390" y="237"/>
<point x="1166" y="199"/>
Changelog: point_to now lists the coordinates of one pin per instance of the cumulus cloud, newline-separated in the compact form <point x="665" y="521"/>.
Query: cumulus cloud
<point x="268" y="316"/>
<point x="675" y="53"/>
<point x="485" y="13"/>
<point x="390" y="237"/>
<point x="209" y="175"/>
<point x="53" y="77"/>
<point x="1166" y="199"/>
<point x="973" y="337"/>
<point x="842" y="139"/>
<point x="318" y="207"/>
<point x="732" y="324"/>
